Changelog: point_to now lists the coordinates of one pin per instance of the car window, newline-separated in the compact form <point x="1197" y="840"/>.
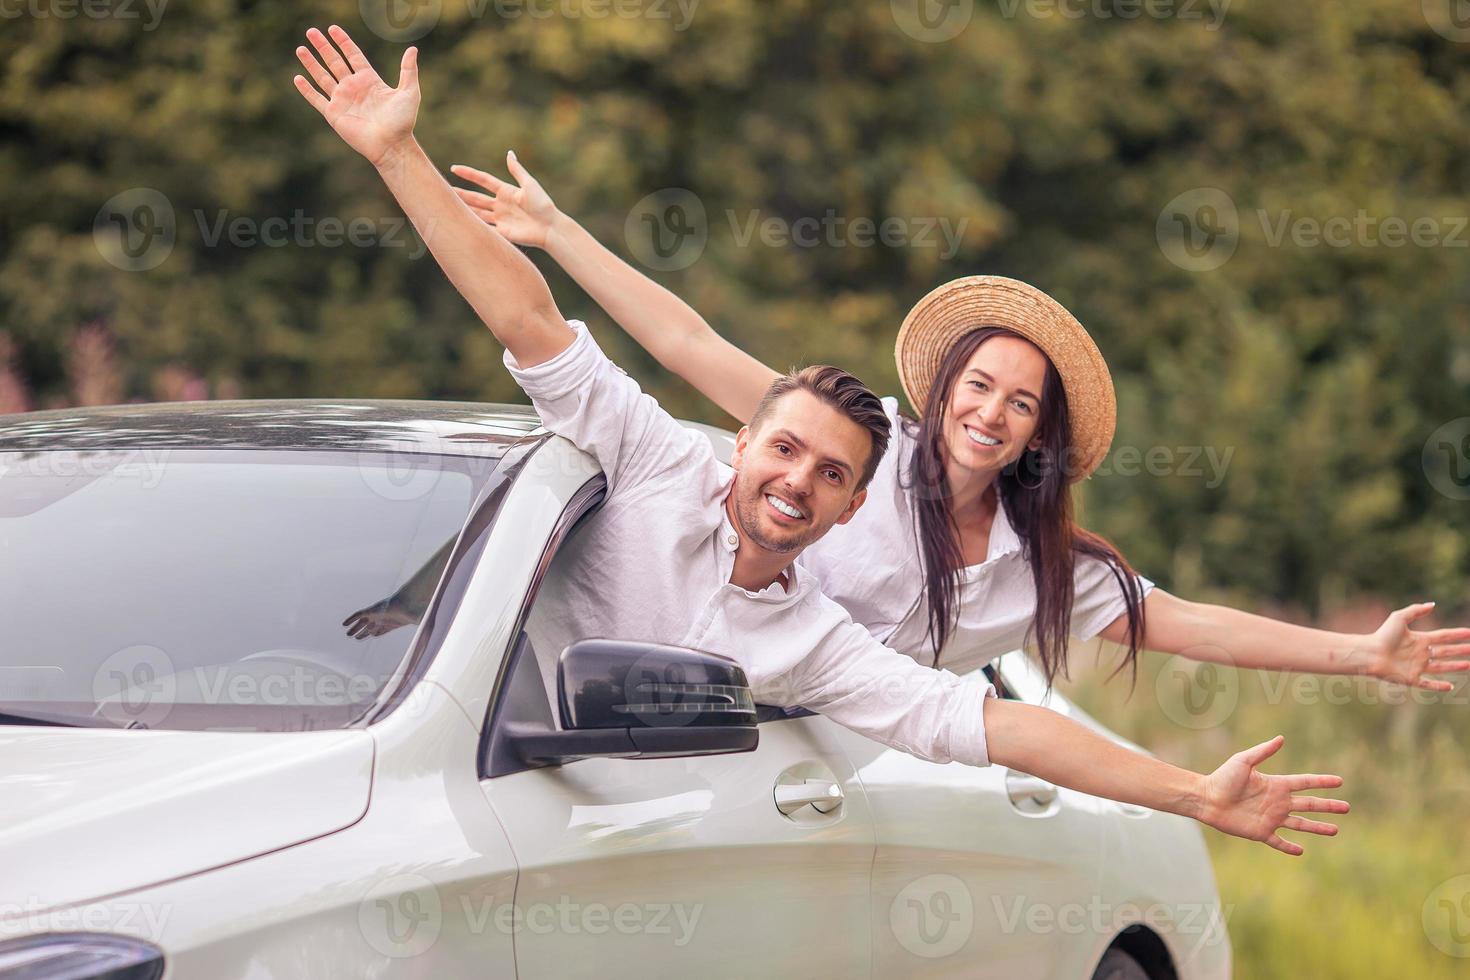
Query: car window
<point x="272" y="590"/>
<point x="546" y="627"/>
<point x="1002" y="689"/>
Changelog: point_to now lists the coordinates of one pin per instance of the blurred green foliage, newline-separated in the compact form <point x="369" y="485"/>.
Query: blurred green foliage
<point x="1053" y="142"/>
<point x="1356" y="906"/>
<point x="1316" y="372"/>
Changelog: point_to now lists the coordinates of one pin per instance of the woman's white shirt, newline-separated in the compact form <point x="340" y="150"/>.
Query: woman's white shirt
<point x="872" y="566"/>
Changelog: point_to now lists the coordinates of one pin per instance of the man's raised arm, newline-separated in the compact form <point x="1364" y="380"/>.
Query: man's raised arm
<point x="502" y="285"/>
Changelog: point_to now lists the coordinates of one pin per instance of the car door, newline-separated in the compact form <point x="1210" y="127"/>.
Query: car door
<point x="979" y="872"/>
<point x="642" y="868"/>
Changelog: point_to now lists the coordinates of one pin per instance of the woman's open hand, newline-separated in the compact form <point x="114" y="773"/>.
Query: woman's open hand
<point x="371" y="117"/>
<point x="521" y="213"/>
<point x="1405" y="656"/>
<point x="1240" y="801"/>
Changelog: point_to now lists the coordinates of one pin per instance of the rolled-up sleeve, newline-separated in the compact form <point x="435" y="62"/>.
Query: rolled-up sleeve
<point x="582" y="395"/>
<point x="888" y="697"/>
<point x="1096" y="598"/>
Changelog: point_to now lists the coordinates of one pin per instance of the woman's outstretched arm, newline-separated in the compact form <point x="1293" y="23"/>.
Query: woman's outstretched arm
<point x="666" y="326"/>
<point x="1219" y="634"/>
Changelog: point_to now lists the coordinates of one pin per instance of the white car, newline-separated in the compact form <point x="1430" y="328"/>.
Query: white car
<point x="219" y="759"/>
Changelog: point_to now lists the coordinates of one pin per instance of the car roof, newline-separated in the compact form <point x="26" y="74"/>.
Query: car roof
<point x="358" y="424"/>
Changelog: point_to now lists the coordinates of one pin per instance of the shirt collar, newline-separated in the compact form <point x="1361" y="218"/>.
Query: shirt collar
<point x="1003" y="537"/>
<point x="730" y="542"/>
<point x="729" y="538"/>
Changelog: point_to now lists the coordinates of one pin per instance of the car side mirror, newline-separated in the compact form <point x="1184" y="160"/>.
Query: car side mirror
<point x="643" y="701"/>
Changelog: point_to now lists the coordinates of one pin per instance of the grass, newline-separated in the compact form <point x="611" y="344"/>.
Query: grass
<point x="1353" y="905"/>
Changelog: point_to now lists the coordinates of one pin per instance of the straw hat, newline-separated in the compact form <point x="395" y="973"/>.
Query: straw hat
<point x="957" y="307"/>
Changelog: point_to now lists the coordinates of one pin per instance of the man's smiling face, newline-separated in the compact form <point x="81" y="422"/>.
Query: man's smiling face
<point x="796" y="474"/>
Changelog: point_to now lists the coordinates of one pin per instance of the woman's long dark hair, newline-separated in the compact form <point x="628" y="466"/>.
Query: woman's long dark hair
<point x="1040" y="509"/>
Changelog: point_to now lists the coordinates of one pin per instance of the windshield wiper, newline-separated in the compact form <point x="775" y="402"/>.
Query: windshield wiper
<point x="16" y="718"/>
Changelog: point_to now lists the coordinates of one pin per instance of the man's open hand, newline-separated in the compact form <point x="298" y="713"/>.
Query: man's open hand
<point x="1240" y="801"/>
<point x="373" y="118"/>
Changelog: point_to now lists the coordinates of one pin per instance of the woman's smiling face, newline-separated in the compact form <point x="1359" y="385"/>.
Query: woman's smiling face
<point x="995" y="406"/>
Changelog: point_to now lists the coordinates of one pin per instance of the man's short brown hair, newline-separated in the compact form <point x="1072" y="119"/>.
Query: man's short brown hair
<point x="843" y="392"/>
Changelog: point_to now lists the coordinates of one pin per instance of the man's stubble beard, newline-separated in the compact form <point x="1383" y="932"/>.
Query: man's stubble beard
<point x="747" y="513"/>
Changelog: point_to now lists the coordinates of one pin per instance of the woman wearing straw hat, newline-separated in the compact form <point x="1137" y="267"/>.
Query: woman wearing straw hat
<point x="966" y="546"/>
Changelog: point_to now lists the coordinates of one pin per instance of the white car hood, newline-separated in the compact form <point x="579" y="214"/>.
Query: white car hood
<point x="93" y="812"/>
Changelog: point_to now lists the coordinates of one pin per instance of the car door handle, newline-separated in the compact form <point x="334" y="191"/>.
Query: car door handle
<point x="823" y="794"/>
<point x="1029" y="793"/>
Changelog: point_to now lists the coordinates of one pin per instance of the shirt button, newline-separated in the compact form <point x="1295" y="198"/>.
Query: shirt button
<point x="733" y="539"/>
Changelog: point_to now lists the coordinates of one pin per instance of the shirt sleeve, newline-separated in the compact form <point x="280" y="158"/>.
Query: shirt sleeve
<point x="1096" y="599"/>
<point x="888" y="697"/>
<point x="893" y="459"/>
<point x="582" y="395"/>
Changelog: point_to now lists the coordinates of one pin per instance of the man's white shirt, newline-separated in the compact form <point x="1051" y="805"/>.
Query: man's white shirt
<point x="654" y="565"/>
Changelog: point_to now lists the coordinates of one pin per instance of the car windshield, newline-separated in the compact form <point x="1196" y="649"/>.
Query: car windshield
<point x="243" y="590"/>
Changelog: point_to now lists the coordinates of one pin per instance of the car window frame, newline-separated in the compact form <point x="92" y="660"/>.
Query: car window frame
<point x="454" y="581"/>
<point x="584" y="502"/>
